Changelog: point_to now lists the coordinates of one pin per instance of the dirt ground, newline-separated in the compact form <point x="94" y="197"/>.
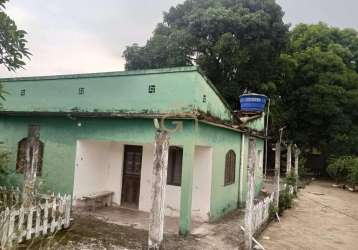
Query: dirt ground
<point x="323" y="217"/>
<point x="88" y="232"/>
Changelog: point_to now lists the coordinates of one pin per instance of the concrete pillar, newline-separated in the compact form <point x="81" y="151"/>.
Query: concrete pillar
<point x="32" y="161"/>
<point x="186" y="189"/>
<point x="297" y="155"/>
<point x="277" y="174"/>
<point x="289" y="160"/>
<point x="250" y="194"/>
<point x="160" y="167"/>
<point x="242" y="167"/>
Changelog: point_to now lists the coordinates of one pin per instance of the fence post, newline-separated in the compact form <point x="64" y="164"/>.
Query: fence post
<point x="68" y="211"/>
<point x="297" y="155"/>
<point x="45" y="220"/>
<point x="38" y="220"/>
<point x="289" y="160"/>
<point x="20" y="225"/>
<point x="11" y="227"/>
<point x="160" y="165"/>
<point x="53" y="215"/>
<point x="277" y="174"/>
<point x="4" y="226"/>
<point x="29" y="223"/>
<point x="60" y="212"/>
<point x="250" y="195"/>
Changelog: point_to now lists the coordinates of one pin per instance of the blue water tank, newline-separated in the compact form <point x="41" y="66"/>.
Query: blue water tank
<point x="253" y="102"/>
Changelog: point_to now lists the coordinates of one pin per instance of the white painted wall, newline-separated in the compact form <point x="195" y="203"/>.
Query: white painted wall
<point x="172" y="199"/>
<point x="114" y="170"/>
<point x="146" y="178"/>
<point x="99" y="167"/>
<point x="202" y="183"/>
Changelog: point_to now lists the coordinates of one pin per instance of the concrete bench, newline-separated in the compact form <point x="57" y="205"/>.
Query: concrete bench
<point x="103" y="197"/>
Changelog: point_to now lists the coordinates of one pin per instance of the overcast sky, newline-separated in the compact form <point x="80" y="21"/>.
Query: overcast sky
<point x="77" y="36"/>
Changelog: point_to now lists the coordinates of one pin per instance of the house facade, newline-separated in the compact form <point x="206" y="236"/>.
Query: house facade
<point x="97" y="133"/>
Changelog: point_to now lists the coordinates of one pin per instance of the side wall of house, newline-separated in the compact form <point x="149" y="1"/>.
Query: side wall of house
<point x="208" y="101"/>
<point x="223" y="198"/>
<point x="86" y="155"/>
<point x="60" y="136"/>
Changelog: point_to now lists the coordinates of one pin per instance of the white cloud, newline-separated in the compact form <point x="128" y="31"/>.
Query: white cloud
<point x="81" y="36"/>
<point x="67" y="36"/>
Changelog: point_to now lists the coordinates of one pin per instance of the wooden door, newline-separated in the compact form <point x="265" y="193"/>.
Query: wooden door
<point x="132" y="166"/>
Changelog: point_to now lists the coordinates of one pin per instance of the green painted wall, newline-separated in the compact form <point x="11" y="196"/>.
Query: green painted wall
<point x="223" y="198"/>
<point x="213" y="104"/>
<point x="227" y="198"/>
<point x="176" y="90"/>
<point x="257" y="124"/>
<point x="60" y="136"/>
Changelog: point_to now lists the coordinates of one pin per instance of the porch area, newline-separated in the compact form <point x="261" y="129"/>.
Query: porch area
<point x="135" y="219"/>
<point x="89" y="232"/>
<point x="124" y="169"/>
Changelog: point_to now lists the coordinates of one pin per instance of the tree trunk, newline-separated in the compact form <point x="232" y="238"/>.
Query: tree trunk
<point x="32" y="161"/>
<point x="160" y="165"/>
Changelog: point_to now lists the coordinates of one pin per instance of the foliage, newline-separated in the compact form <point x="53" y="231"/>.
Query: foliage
<point x="12" y="42"/>
<point x="291" y="180"/>
<point x="237" y="43"/>
<point x="310" y="73"/>
<point x="273" y="210"/>
<point x="319" y="89"/>
<point x="285" y="200"/>
<point x="301" y="166"/>
<point x="344" y="169"/>
<point x="5" y="174"/>
<point x="353" y="176"/>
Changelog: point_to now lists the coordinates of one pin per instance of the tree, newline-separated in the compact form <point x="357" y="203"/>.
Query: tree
<point x="236" y="42"/>
<point x="12" y="52"/>
<point x="319" y="89"/>
<point x="12" y="42"/>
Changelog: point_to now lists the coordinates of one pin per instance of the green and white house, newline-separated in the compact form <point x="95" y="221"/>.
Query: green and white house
<point x="98" y="133"/>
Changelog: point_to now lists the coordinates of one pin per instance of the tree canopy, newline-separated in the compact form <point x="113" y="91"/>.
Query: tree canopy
<point x="319" y="90"/>
<point x="236" y="42"/>
<point x="12" y="42"/>
<point x="309" y="72"/>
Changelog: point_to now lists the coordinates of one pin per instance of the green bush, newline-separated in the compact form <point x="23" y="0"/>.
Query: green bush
<point x="302" y="171"/>
<point x="8" y="176"/>
<point x="291" y="180"/>
<point x="273" y="210"/>
<point x="344" y="169"/>
<point x="285" y="200"/>
<point x="4" y="170"/>
<point x="353" y="173"/>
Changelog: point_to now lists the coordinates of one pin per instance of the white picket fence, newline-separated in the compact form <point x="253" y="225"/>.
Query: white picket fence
<point x="50" y="215"/>
<point x="9" y="197"/>
<point x="261" y="212"/>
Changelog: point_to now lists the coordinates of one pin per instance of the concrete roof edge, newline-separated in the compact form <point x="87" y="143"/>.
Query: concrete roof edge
<point x="217" y="92"/>
<point x="104" y="74"/>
